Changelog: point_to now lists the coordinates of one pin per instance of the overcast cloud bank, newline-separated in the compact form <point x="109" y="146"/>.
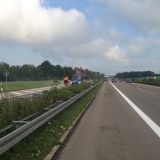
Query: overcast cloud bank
<point x="125" y="33"/>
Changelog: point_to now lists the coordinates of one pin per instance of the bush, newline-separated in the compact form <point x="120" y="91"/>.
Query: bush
<point x="16" y="109"/>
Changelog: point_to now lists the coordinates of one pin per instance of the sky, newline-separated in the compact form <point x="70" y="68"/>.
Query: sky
<point x="106" y="36"/>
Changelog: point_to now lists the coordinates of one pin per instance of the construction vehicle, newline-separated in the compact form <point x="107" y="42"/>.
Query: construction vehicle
<point x="78" y="77"/>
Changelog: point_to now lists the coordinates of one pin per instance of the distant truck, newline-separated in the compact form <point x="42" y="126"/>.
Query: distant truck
<point x="77" y="79"/>
<point x="106" y="78"/>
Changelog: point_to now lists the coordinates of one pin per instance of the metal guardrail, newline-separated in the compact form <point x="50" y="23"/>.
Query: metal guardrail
<point x="29" y="95"/>
<point x="14" y="137"/>
<point x="11" y="125"/>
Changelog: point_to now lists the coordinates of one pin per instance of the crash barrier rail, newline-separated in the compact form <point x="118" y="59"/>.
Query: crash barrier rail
<point x="18" y="123"/>
<point x="12" y="125"/>
<point x="30" y="95"/>
<point x="14" y="137"/>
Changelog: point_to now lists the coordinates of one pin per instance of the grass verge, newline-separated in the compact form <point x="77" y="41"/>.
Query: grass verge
<point x="38" y="144"/>
<point x="19" y="85"/>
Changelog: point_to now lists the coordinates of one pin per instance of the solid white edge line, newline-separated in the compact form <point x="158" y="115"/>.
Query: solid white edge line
<point x="151" y="124"/>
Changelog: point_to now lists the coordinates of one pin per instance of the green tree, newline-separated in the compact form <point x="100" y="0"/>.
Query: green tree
<point x="3" y="67"/>
<point x="135" y="74"/>
<point x="68" y="71"/>
<point x="59" y="71"/>
<point x="46" y="69"/>
<point x="14" y="73"/>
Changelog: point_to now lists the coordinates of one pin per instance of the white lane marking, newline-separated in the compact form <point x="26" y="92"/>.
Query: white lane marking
<point x="16" y="93"/>
<point x="39" y="89"/>
<point x="152" y="124"/>
<point x="28" y="91"/>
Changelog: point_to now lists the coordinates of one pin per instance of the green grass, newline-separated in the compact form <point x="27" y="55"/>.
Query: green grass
<point x="19" y="85"/>
<point x="144" y="80"/>
<point x="38" y="144"/>
<point x="158" y="78"/>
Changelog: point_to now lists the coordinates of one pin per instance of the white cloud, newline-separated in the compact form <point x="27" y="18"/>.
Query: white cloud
<point x="142" y="15"/>
<point x="92" y="49"/>
<point x="125" y="31"/>
<point x="26" y="21"/>
<point x="118" y="55"/>
<point x="137" y="47"/>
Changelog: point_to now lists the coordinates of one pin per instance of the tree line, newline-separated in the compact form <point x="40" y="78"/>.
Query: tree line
<point x="44" y="71"/>
<point x="135" y="74"/>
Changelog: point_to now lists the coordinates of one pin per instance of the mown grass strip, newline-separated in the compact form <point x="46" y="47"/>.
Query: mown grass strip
<point x="37" y="145"/>
<point x="19" y="85"/>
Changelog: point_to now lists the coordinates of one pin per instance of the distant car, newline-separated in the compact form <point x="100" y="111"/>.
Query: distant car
<point x="128" y="81"/>
<point x="114" y="80"/>
<point x="121" y="80"/>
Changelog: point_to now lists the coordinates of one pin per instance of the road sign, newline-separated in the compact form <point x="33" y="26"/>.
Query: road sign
<point x="6" y="73"/>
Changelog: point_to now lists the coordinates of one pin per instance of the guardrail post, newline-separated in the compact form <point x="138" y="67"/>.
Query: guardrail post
<point x="18" y="124"/>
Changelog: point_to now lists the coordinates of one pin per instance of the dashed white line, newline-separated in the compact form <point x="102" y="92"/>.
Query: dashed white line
<point x="151" y="124"/>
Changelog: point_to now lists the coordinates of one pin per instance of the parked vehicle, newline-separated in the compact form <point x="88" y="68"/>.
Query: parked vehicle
<point x="77" y="78"/>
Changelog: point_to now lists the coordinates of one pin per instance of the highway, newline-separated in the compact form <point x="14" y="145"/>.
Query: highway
<point x="121" y="123"/>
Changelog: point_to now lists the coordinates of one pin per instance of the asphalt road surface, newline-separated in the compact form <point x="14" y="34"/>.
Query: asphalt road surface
<point x="117" y="128"/>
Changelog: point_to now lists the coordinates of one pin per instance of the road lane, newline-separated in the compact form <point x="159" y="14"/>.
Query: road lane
<point x="147" y="98"/>
<point x="148" y="120"/>
<point x="110" y="130"/>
